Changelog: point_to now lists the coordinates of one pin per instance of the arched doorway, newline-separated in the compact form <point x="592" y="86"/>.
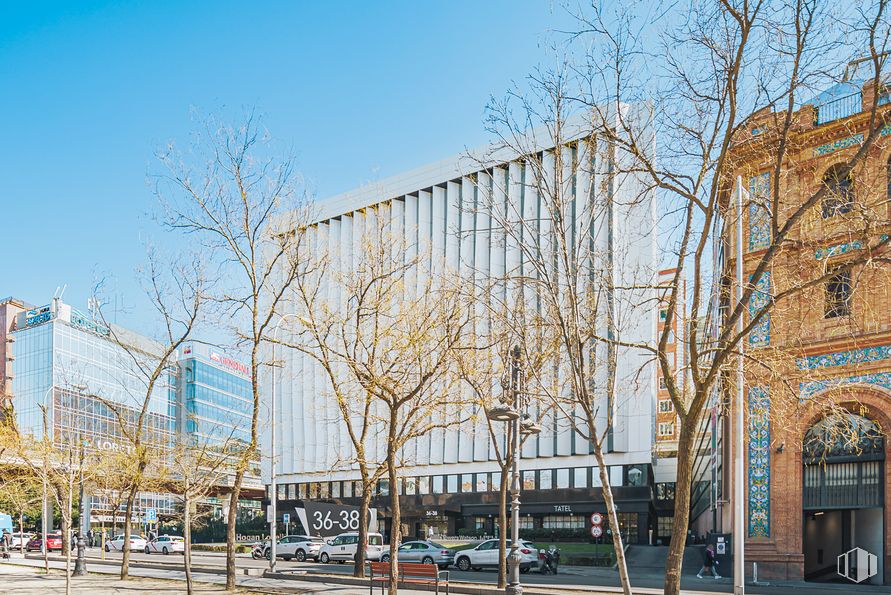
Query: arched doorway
<point x="843" y="497"/>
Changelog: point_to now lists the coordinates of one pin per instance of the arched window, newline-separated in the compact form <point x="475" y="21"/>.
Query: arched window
<point x="840" y="196"/>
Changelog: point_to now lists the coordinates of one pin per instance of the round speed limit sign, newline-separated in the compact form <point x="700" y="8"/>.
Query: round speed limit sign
<point x="596" y="518"/>
<point x="596" y="531"/>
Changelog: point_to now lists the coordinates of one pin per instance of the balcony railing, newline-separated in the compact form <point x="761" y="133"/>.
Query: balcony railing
<point x="839" y="108"/>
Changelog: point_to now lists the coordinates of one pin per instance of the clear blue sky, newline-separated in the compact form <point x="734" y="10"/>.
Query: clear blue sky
<point x="360" y="90"/>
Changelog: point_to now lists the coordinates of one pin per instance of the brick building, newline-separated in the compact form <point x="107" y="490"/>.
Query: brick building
<point x="818" y="377"/>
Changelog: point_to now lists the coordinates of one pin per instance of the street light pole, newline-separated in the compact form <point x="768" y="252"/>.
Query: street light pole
<point x="739" y="504"/>
<point x="80" y="564"/>
<point x="43" y="520"/>
<point x="513" y="585"/>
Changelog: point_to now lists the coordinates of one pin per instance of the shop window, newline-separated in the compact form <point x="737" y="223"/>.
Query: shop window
<point x="479" y="523"/>
<point x="545" y="477"/>
<point x="528" y="480"/>
<point x="452" y="484"/>
<point x="839" y="192"/>
<point x="559" y="521"/>
<point x="628" y="526"/>
<point x="665" y="491"/>
<point x="438" y="484"/>
<point x="526" y="522"/>
<point x="664" y="526"/>
<point x="838" y="295"/>
<point x="424" y="485"/>
<point x="580" y="477"/>
<point x="562" y="478"/>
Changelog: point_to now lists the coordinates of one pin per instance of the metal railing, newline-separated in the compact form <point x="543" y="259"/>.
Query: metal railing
<point x="839" y="108"/>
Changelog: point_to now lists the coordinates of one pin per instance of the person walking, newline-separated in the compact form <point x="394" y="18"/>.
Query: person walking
<point x="709" y="562"/>
<point x="5" y="544"/>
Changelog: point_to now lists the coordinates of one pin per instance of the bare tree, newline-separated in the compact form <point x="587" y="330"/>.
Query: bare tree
<point x="385" y="332"/>
<point x="723" y="107"/>
<point x="177" y="291"/>
<point x="199" y="466"/>
<point x="240" y="202"/>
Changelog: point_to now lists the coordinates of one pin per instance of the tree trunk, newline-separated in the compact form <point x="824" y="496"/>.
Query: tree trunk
<point x="502" y="520"/>
<point x="66" y="537"/>
<point x="125" y="546"/>
<point x="187" y="539"/>
<point x="396" y="514"/>
<point x="618" y="545"/>
<point x="359" y="564"/>
<point x="231" y="519"/>
<point x="681" y="522"/>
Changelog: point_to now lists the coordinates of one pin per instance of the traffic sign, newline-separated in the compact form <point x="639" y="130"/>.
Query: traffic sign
<point x="286" y="518"/>
<point x="151" y="515"/>
<point x="596" y="518"/>
<point x="596" y="531"/>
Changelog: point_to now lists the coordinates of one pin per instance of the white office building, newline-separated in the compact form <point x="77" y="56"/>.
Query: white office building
<point x="450" y="477"/>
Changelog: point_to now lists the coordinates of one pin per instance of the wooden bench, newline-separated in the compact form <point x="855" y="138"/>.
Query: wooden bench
<point x="409" y="573"/>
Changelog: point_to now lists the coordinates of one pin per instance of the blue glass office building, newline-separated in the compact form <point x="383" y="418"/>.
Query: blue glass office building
<point x="215" y="401"/>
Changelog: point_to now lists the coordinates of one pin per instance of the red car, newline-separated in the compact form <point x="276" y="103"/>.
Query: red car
<point x="53" y="542"/>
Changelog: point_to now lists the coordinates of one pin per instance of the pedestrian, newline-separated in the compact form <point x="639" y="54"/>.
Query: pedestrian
<point x="709" y="562"/>
<point x="5" y="544"/>
<point x="90" y="538"/>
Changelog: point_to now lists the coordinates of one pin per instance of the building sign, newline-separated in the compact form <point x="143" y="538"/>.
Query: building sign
<point x="228" y="362"/>
<point x="326" y="520"/>
<point x="38" y="315"/>
<point x="562" y="508"/>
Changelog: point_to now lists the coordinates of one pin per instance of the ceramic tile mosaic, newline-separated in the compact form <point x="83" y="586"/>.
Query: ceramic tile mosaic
<point x="759" y="216"/>
<point x="759" y="462"/>
<point x="760" y="335"/>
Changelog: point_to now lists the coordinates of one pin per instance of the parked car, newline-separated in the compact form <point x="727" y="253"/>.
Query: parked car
<point x="116" y="544"/>
<point x="344" y="546"/>
<point x="53" y="542"/>
<point x="21" y="538"/>
<point x="485" y="555"/>
<point x="299" y="547"/>
<point x="165" y="544"/>
<point x="426" y="552"/>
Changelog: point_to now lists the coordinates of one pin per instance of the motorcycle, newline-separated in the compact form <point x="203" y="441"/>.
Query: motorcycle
<point x="548" y="560"/>
<point x="258" y="550"/>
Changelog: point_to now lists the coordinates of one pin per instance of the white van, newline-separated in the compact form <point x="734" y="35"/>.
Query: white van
<point x="343" y="548"/>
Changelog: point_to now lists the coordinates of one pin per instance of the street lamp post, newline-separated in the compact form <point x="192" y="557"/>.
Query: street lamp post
<point x="43" y="520"/>
<point x="80" y="564"/>
<point x="517" y="425"/>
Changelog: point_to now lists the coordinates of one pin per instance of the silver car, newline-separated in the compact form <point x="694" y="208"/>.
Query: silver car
<point x="426" y="552"/>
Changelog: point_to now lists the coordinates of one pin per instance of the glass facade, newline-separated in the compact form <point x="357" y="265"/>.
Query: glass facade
<point x="216" y="404"/>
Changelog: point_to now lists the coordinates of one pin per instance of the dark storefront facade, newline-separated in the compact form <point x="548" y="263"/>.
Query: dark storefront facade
<point x="555" y="503"/>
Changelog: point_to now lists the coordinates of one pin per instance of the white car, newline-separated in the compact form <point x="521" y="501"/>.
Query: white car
<point x="20" y="539"/>
<point x="485" y="555"/>
<point x="165" y="544"/>
<point x="343" y="548"/>
<point x="299" y="547"/>
<point x="116" y="544"/>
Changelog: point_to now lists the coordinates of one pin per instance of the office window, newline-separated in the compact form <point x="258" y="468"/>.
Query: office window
<point x="383" y="487"/>
<point x="302" y="491"/>
<point x="663" y="314"/>
<point x="324" y="490"/>
<point x="482" y="482"/>
<point x="466" y="482"/>
<point x="545" y="477"/>
<point x="496" y="481"/>
<point x="580" y="477"/>
<point x="666" y="429"/>
<point x="840" y="192"/>
<point x="438" y="484"/>
<point x="665" y="406"/>
<point x="562" y="478"/>
<point x="335" y="489"/>
<point x="528" y="480"/>
<point x="292" y="491"/>
<point x="410" y="485"/>
<point x="838" y="295"/>
<point x="424" y="485"/>
<point x="452" y="484"/>
<point x="282" y="490"/>
<point x="662" y="385"/>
